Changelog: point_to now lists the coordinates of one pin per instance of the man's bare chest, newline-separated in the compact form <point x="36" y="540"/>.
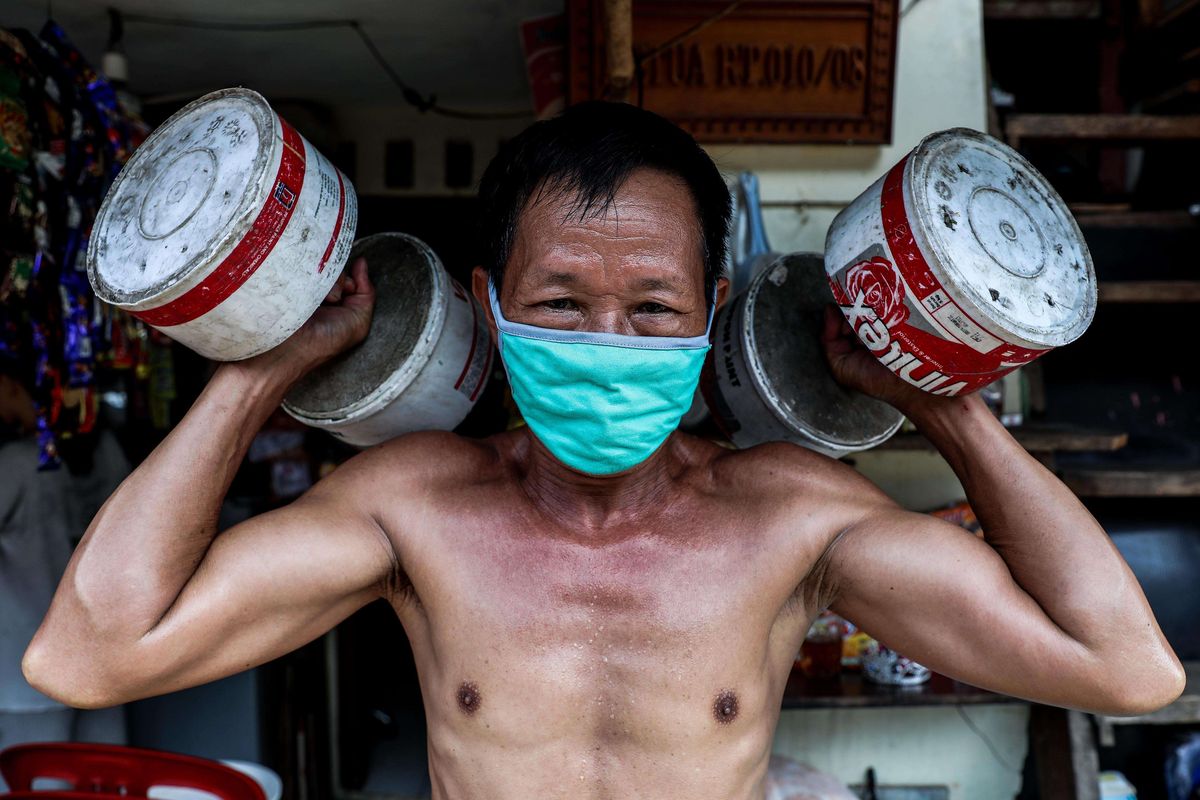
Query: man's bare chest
<point x="671" y="575"/>
<point x="611" y="635"/>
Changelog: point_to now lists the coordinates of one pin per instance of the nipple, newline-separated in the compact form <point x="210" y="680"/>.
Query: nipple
<point x="725" y="707"/>
<point x="468" y="697"/>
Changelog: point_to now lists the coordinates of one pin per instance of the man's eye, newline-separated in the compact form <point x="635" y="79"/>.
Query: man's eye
<point x="653" y="308"/>
<point x="559" y="304"/>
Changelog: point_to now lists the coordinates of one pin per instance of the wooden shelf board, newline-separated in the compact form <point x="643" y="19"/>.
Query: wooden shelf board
<point x="1149" y="291"/>
<point x="851" y="690"/>
<point x="1034" y="438"/>
<point x="1099" y="208"/>
<point x="1041" y="9"/>
<point x="1133" y="482"/>
<point x="1187" y="87"/>
<point x="1103" y="127"/>
<point x="1159" y="17"/>
<point x="1088" y="218"/>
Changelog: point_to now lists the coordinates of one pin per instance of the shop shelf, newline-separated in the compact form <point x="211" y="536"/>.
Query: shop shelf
<point x="851" y="690"/>
<point x="1036" y="438"/>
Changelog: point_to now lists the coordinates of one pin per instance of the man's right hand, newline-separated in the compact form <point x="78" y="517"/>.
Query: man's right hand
<point x="342" y="321"/>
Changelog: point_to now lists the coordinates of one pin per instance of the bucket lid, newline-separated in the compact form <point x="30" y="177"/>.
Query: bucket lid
<point x="998" y="232"/>
<point x="185" y="198"/>
<point x="785" y="309"/>
<point x="410" y="295"/>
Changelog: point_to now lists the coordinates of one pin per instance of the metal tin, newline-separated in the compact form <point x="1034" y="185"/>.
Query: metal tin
<point x="747" y="254"/>
<point x="423" y="364"/>
<point x="960" y="264"/>
<point x="771" y="381"/>
<point x="225" y="229"/>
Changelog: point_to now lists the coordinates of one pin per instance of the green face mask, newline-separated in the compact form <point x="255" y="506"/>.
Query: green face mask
<point x="601" y="403"/>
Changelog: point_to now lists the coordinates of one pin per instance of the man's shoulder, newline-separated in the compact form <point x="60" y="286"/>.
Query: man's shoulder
<point x="426" y="457"/>
<point x="800" y="503"/>
<point x="797" y="488"/>
<point x="781" y="467"/>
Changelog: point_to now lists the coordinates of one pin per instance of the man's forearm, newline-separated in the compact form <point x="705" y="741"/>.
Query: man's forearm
<point x="149" y="537"/>
<point x="1054" y="548"/>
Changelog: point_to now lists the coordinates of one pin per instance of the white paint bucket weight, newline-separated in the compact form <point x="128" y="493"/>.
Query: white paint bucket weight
<point x="423" y="364"/>
<point x="770" y="379"/>
<point x="225" y="229"/>
<point x="960" y="264"/>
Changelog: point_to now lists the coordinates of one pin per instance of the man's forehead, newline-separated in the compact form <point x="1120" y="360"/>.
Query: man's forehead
<point x="647" y="192"/>
<point x="650" y="222"/>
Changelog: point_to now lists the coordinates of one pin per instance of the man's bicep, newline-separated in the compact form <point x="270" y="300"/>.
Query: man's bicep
<point x="267" y="586"/>
<point x="946" y="599"/>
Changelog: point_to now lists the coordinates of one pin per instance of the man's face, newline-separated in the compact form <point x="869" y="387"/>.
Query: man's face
<point x="637" y="269"/>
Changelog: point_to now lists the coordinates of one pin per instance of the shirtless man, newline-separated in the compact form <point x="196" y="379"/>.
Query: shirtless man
<point x="588" y="635"/>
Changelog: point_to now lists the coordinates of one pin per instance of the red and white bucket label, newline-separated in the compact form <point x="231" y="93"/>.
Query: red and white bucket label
<point x="907" y="319"/>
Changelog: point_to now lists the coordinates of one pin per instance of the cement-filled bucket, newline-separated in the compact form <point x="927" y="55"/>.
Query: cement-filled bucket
<point x="423" y="364"/>
<point x="225" y="229"/>
<point x="770" y="380"/>
<point x="747" y="253"/>
<point x="960" y="264"/>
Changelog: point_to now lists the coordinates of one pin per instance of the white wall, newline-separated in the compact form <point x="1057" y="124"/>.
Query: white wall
<point x="930" y="746"/>
<point x="371" y="127"/>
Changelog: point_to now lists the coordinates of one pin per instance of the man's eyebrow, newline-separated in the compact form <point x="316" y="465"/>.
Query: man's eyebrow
<point x="646" y="284"/>
<point x="658" y="284"/>
<point x="562" y="278"/>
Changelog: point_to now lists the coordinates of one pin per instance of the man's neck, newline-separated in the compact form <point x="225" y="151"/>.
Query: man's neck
<point x="592" y="503"/>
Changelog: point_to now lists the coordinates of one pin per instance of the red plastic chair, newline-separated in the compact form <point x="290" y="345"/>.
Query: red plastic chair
<point x="105" y="770"/>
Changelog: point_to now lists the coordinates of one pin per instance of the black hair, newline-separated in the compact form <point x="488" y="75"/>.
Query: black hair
<point x="589" y="150"/>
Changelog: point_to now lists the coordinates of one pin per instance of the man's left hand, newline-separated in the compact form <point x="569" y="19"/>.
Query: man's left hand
<point x="855" y="368"/>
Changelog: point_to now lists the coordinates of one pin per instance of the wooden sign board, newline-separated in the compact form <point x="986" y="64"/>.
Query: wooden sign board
<point x="769" y="71"/>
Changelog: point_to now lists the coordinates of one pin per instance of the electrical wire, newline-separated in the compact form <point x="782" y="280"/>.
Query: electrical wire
<point x="962" y="712"/>
<point x="639" y="75"/>
<point x="239" y="27"/>
<point x="429" y="103"/>
<point x="422" y="102"/>
<point x="690" y="32"/>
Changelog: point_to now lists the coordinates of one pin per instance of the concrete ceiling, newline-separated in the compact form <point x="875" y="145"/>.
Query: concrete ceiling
<point x="467" y="52"/>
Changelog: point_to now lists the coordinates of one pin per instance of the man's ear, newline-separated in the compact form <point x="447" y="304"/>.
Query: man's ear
<point x="479" y="288"/>
<point x="722" y="291"/>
